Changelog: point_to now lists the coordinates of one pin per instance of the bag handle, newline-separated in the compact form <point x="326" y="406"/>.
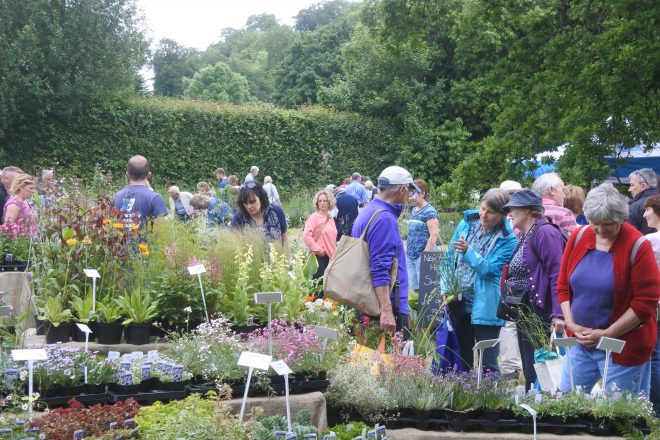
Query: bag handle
<point x="381" y="345"/>
<point x="366" y="229"/>
<point x="318" y="233"/>
<point x="553" y="336"/>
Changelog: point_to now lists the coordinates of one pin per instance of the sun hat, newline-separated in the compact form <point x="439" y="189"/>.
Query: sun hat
<point x="511" y="186"/>
<point x="525" y="198"/>
<point x="395" y="175"/>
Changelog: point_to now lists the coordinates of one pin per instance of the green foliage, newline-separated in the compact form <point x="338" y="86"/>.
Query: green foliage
<point x="82" y="308"/>
<point x="180" y="137"/>
<point x="137" y="307"/>
<point x="53" y="311"/>
<point x="172" y="62"/>
<point x="218" y="83"/>
<point x="321" y="14"/>
<point x="108" y="312"/>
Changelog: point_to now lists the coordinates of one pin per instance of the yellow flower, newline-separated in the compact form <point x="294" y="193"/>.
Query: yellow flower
<point x="106" y="221"/>
<point x="72" y="242"/>
<point x="118" y="225"/>
<point x="144" y="249"/>
<point x="135" y="227"/>
<point x="86" y="240"/>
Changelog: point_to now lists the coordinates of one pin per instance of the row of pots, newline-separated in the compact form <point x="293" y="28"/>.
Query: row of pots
<point x="104" y="333"/>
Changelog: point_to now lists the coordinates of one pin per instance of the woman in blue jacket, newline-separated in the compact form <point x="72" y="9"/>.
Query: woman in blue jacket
<point x="482" y="244"/>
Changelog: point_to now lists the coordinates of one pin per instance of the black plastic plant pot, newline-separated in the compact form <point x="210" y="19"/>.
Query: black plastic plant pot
<point x="138" y="333"/>
<point x="70" y="390"/>
<point x="124" y="389"/>
<point x="41" y="327"/>
<point x="79" y="335"/>
<point x="172" y="386"/>
<point x="457" y="419"/>
<point x="109" y="333"/>
<point x="276" y="379"/>
<point x="93" y="388"/>
<point x="60" y="333"/>
<point x="491" y="415"/>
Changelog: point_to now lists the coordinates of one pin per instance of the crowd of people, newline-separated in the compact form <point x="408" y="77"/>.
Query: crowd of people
<point x="587" y="266"/>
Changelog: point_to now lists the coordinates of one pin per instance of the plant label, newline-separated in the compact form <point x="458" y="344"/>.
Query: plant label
<point x="281" y="368"/>
<point x="78" y="434"/>
<point x="255" y="360"/>
<point x="83" y="328"/>
<point x="31" y="430"/>
<point x="197" y="269"/>
<point x="129" y="423"/>
<point x="611" y="344"/>
<point x="113" y="355"/>
<point x="11" y="375"/>
<point x="126" y="365"/>
<point x="152" y="355"/>
<point x="565" y="342"/>
<point x="146" y="373"/>
<point x="325" y="332"/>
<point x="92" y="273"/>
<point x="5" y="431"/>
<point x="529" y="409"/>
<point x="113" y="425"/>
<point x="137" y="355"/>
<point x="177" y="373"/>
<point x="167" y="368"/>
<point x="487" y="343"/>
<point x="38" y="354"/>
<point x="267" y="297"/>
<point x="126" y="379"/>
<point x="291" y="436"/>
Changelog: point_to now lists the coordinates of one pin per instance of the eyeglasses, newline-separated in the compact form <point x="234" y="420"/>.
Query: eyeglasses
<point x="249" y="185"/>
<point x="637" y="173"/>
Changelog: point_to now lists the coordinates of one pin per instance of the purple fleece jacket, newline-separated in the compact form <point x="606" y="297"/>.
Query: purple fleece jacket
<point x="385" y="243"/>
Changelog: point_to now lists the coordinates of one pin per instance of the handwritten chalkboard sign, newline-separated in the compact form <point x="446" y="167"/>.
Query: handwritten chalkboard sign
<point x="429" y="287"/>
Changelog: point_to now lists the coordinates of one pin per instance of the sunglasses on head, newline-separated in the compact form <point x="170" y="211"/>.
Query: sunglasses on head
<point x="637" y="173"/>
<point x="249" y="185"/>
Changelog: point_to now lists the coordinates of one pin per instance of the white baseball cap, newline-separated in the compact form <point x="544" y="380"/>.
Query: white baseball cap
<point x="395" y="175"/>
<point x="511" y="186"/>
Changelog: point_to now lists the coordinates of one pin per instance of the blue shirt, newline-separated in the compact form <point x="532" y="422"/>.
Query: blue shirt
<point x="418" y="230"/>
<point x="138" y="200"/>
<point x="358" y="191"/>
<point x="179" y="207"/>
<point x="592" y="285"/>
<point x="385" y="244"/>
<point x="222" y="183"/>
<point x="347" y="212"/>
<point x="274" y="225"/>
<point x="218" y="211"/>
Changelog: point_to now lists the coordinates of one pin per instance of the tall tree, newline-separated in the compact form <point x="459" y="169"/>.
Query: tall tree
<point x="323" y="13"/>
<point x="218" y="83"/>
<point x="172" y="62"/>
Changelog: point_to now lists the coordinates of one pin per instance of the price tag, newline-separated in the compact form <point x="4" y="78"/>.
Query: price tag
<point x="38" y="354"/>
<point x="83" y="328"/>
<point x="267" y="297"/>
<point x="113" y="355"/>
<point x="611" y="344"/>
<point x="325" y="332"/>
<point x="197" y="269"/>
<point x="255" y="360"/>
<point x="92" y="273"/>
<point x="281" y="368"/>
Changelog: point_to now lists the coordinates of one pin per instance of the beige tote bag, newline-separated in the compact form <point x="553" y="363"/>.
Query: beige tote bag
<point x="347" y="278"/>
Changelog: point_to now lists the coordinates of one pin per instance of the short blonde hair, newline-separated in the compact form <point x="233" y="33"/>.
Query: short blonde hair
<point x="574" y="198"/>
<point x="19" y="182"/>
<point x="330" y="197"/>
<point x="268" y="179"/>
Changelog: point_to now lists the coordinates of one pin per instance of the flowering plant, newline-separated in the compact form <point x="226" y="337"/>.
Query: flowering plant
<point x="64" y="366"/>
<point x="465" y="394"/>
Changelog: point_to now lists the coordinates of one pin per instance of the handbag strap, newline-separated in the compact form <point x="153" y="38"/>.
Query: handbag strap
<point x="366" y="229"/>
<point x="318" y="233"/>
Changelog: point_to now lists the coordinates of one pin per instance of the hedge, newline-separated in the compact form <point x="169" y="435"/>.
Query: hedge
<point x="186" y="140"/>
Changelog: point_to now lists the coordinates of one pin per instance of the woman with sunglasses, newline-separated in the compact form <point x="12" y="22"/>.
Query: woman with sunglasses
<point x="254" y="211"/>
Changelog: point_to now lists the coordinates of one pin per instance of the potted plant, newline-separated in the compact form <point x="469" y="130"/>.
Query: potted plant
<point x="99" y="374"/>
<point x="57" y="320"/>
<point x="108" y="323"/>
<point x="138" y="310"/>
<point x="82" y="313"/>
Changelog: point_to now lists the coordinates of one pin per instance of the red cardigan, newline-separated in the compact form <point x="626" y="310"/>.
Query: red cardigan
<point x="636" y="287"/>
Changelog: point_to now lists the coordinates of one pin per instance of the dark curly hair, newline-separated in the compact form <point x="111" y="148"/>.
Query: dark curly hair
<point x="248" y="192"/>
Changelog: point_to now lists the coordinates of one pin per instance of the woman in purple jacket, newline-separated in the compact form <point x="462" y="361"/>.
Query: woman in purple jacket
<point x="534" y="270"/>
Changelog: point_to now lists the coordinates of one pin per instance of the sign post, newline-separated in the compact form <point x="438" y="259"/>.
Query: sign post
<point x="268" y="298"/>
<point x="252" y="361"/>
<point x="480" y="347"/>
<point x="429" y="287"/>
<point x="533" y="412"/>
<point x="325" y="333"/>
<point x="198" y="270"/>
<point x="30" y="356"/>
<point x="93" y="274"/>
<point x="567" y="343"/>
<point x="283" y="369"/>
<point x="85" y="329"/>
<point x="609" y="345"/>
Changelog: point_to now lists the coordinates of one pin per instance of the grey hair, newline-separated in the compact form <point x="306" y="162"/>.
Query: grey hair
<point x="173" y="189"/>
<point x="356" y="176"/>
<point x="604" y="204"/>
<point x="268" y="179"/>
<point x="200" y="201"/>
<point x="388" y="188"/>
<point x="546" y="181"/>
<point x="10" y="169"/>
<point x="254" y="168"/>
<point x="369" y="184"/>
<point x="46" y="173"/>
<point x="496" y="198"/>
<point x="647" y="175"/>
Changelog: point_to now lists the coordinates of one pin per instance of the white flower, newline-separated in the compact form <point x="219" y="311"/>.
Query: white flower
<point x="2" y="419"/>
<point x="9" y="397"/>
<point x="188" y="309"/>
<point x="42" y="436"/>
<point x="36" y="396"/>
<point x="24" y="407"/>
<point x="23" y="374"/>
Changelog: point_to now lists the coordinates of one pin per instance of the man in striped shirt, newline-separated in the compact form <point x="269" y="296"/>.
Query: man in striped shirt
<point x="551" y="188"/>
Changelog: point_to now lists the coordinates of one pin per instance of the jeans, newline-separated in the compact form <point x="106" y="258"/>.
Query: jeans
<point x="413" y="265"/>
<point x="588" y="367"/>
<point x="655" y="376"/>
<point x="468" y="334"/>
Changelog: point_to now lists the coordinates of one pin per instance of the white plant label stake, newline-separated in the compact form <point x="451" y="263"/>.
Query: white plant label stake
<point x="93" y="274"/>
<point x="268" y="298"/>
<point x="532" y="411"/>
<point x="252" y="361"/>
<point x="480" y="347"/>
<point x="85" y="329"/>
<point x="567" y="343"/>
<point x="609" y="345"/>
<point x="198" y="270"/>
<point x="30" y="356"/>
<point x="325" y="333"/>
<point x="283" y="369"/>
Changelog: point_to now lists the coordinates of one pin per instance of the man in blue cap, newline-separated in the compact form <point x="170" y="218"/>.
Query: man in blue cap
<point x="385" y="244"/>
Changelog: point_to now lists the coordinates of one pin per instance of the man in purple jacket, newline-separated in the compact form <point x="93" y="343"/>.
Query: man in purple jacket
<point x="385" y="244"/>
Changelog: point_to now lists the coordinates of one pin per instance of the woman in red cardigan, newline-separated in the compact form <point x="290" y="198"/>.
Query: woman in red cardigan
<point x="602" y="294"/>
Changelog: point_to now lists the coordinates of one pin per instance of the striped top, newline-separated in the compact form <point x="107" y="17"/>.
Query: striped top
<point x="560" y="216"/>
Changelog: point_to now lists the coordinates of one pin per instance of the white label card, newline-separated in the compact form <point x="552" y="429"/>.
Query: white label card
<point x="38" y="354"/>
<point x="325" y="332"/>
<point x="529" y="409"/>
<point x="83" y="328"/>
<point x="565" y="342"/>
<point x="92" y="273"/>
<point x="152" y="355"/>
<point x="113" y="355"/>
<point x="281" y="368"/>
<point x="137" y="355"/>
<point x="486" y="344"/>
<point x="267" y="297"/>
<point x="255" y="360"/>
<point x="197" y="269"/>
<point x="611" y="344"/>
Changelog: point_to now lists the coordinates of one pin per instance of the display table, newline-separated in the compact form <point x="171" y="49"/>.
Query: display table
<point x="313" y="402"/>
<point x="18" y="294"/>
<point x="416" y="434"/>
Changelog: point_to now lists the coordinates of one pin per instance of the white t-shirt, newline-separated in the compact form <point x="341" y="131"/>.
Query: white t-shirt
<point x="654" y="238"/>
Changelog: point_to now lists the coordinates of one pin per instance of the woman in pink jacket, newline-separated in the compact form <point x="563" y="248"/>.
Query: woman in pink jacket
<point x="320" y="234"/>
